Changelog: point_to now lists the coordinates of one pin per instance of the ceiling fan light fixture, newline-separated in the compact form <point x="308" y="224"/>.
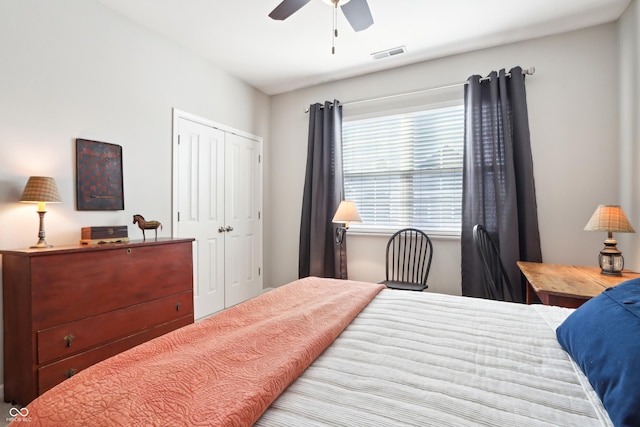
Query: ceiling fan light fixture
<point x="333" y="2"/>
<point x="357" y="13"/>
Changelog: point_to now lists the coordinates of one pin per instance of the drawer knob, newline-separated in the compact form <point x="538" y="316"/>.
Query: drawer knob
<point x="177" y="306"/>
<point x="71" y="372"/>
<point x="68" y="339"/>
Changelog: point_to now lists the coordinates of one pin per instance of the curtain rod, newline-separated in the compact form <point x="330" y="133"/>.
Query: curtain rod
<point x="526" y="71"/>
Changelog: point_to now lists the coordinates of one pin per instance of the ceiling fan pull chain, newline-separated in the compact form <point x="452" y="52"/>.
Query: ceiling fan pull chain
<point x="335" y="26"/>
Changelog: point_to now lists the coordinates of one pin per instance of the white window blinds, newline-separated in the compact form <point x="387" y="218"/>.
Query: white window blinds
<point x="405" y="170"/>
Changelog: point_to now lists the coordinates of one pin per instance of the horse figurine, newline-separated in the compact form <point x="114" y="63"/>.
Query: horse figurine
<point x="147" y="225"/>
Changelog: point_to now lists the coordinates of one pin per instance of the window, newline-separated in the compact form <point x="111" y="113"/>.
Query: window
<point x="405" y="170"/>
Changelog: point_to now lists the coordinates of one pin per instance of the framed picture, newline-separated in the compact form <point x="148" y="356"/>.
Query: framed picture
<point x="98" y="176"/>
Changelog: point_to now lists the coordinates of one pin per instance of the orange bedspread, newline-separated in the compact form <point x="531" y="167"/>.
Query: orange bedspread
<point x="225" y="370"/>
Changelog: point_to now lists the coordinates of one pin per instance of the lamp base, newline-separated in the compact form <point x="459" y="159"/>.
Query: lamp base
<point x="610" y="259"/>
<point x="41" y="234"/>
<point x="41" y="244"/>
<point x="611" y="273"/>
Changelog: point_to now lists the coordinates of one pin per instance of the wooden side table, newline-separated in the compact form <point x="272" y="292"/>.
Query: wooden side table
<point x="567" y="285"/>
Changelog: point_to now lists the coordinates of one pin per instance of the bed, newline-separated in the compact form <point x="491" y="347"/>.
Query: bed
<point x="320" y="352"/>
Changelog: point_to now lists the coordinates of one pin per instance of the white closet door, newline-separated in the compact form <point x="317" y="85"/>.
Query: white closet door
<point x="242" y="210"/>
<point x="199" y="159"/>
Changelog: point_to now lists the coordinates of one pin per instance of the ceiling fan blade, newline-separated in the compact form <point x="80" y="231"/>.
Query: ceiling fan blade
<point x="358" y="14"/>
<point x="287" y="8"/>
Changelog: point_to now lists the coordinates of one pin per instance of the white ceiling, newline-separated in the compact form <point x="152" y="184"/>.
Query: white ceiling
<point x="279" y="56"/>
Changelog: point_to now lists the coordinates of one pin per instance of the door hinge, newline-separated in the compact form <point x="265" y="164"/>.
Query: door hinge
<point x="259" y="158"/>
<point x="258" y="214"/>
<point x="178" y="216"/>
<point x="178" y="139"/>
<point x="259" y="271"/>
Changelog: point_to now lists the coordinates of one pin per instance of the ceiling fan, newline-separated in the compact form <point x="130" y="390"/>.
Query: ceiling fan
<point x="356" y="11"/>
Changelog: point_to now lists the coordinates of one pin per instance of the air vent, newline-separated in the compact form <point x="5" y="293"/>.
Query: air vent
<point x="389" y="52"/>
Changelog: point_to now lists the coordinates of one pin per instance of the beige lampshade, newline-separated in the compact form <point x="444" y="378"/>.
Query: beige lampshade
<point x="346" y="213"/>
<point x="41" y="189"/>
<point x="609" y="218"/>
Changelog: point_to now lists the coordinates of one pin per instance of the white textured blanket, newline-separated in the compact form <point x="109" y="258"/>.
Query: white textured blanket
<point x="423" y="359"/>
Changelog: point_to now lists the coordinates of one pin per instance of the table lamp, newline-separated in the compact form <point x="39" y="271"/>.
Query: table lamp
<point x="41" y="190"/>
<point x="610" y="218"/>
<point x="346" y="213"/>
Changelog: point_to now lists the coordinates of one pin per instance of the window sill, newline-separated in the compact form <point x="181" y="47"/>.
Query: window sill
<point x="387" y="233"/>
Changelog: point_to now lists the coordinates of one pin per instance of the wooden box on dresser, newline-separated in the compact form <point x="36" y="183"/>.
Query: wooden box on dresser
<point x="67" y="308"/>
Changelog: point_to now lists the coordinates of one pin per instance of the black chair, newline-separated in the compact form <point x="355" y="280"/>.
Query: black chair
<point x="409" y="253"/>
<point x="496" y="279"/>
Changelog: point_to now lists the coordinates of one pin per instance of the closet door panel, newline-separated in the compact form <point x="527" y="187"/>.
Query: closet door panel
<point x="242" y="214"/>
<point x="201" y="192"/>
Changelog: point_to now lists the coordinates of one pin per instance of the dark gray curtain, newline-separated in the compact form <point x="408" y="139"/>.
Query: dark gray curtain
<point x="498" y="187"/>
<point x="323" y="189"/>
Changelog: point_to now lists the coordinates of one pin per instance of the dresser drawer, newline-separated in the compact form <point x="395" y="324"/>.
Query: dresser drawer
<point x="71" y="338"/>
<point x="54" y="373"/>
<point x="71" y="286"/>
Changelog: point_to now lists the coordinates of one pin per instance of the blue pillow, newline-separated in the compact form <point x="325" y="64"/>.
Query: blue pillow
<point x="603" y="337"/>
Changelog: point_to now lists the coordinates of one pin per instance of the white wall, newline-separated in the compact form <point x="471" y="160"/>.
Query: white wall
<point x="629" y="64"/>
<point x="74" y="69"/>
<point x="573" y="111"/>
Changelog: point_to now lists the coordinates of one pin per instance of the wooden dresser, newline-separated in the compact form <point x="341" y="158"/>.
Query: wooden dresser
<point x="67" y="308"/>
